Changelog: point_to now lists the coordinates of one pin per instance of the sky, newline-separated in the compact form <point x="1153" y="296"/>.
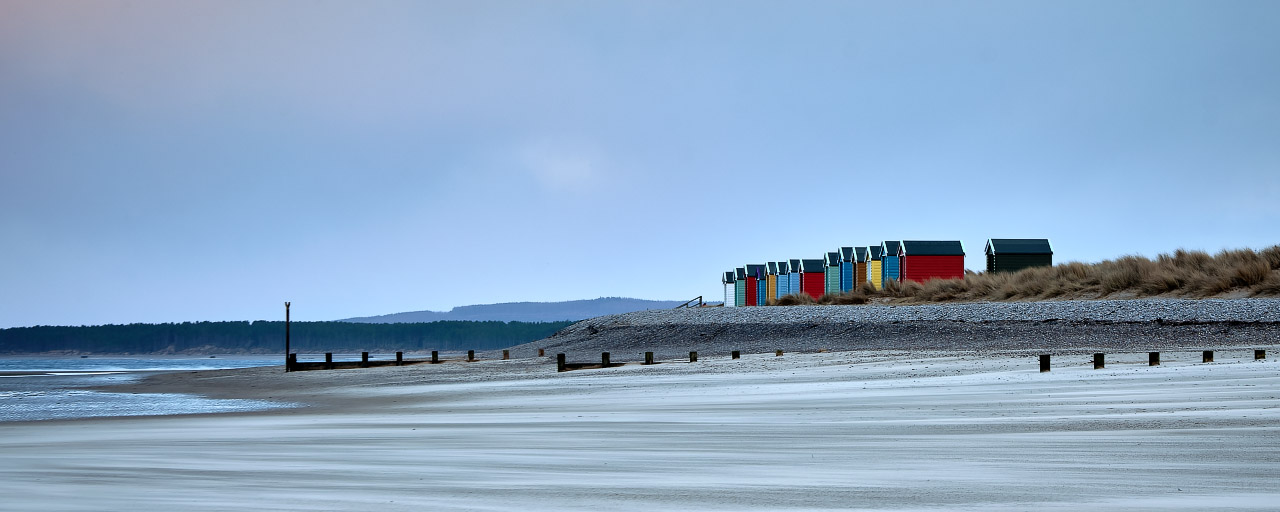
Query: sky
<point x="209" y="160"/>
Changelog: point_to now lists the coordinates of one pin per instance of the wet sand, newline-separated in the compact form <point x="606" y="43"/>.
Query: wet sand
<point x="819" y="431"/>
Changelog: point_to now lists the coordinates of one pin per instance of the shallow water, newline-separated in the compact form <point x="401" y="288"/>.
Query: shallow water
<point x="47" y="388"/>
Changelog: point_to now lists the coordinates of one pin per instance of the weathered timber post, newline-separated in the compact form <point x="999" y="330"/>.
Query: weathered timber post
<point x="287" y="366"/>
<point x="435" y="356"/>
<point x="328" y="360"/>
<point x="604" y="359"/>
<point x="1099" y="361"/>
<point x="1208" y="356"/>
<point x="1044" y="363"/>
<point x="693" y="357"/>
<point x="364" y="359"/>
<point x="1153" y="359"/>
<point x="778" y="354"/>
<point x="471" y="355"/>
<point x="292" y="361"/>
<point x="542" y="352"/>
<point x="648" y="358"/>
<point x="560" y="362"/>
<point x="399" y="358"/>
<point x="1259" y="354"/>
<point x="736" y="354"/>
<point x="506" y="354"/>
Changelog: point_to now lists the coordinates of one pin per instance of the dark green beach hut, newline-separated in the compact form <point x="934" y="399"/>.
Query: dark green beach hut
<point x="1014" y="254"/>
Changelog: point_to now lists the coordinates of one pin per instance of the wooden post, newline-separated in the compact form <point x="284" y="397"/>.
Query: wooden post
<point x="287" y="366"/>
<point x="542" y="352"/>
<point x="292" y="361"/>
<point x="736" y="354"/>
<point x="560" y="362"/>
<point x="1099" y="361"/>
<point x="435" y="356"/>
<point x="604" y="359"/>
<point x="328" y="360"/>
<point x="648" y="358"/>
<point x="506" y="354"/>
<point x="471" y="355"/>
<point x="399" y="358"/>
<point x="693" y="357"/>
<point x="778" y="354"/>
<point x="364" y="359"/>
<point x="1259" y="354"/>
<point x="1153" y="359"/>
<point x="1044" y="363"/>
<point x="1208" y="356"/>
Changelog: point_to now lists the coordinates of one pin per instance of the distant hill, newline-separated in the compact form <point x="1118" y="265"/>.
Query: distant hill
<point x="526" y="311"/>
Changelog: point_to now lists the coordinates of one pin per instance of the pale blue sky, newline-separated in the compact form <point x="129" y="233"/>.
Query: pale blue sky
<point x="173" y="161"/>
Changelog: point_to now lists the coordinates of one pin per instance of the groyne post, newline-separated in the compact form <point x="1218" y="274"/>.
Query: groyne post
<point x="560" y="362"/>
<point x="506" y="354"/>
<point x="542" y="352"/>
<point x="648" y="358"/>
<point x="471" y="355"/>
<point x="328" y="360"/>
<point x="435" y="356"/>
<point x="1207" y="357"/>
<point x="604" y="359"/>
<point x="693" y="357"/>
<point x="399" y="358"/>
<point x="1153" y="359"/>
<point x="364" y="359"/>
<point x="778" y="354"/>
<point x="291" y="362"/>
<point x="287" y="365"/>
<point x="1099" y="361"/>
<point x="1044" y="363"/>
<point x="1259" y="354"/>
<point x="735" y="354"/>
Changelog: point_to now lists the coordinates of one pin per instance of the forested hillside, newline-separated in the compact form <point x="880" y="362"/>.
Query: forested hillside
<point x="267" y="337"/>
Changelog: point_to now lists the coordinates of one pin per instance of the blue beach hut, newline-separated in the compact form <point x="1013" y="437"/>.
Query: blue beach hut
<point x="846" y="269"/>
<point x="891" y="264"/>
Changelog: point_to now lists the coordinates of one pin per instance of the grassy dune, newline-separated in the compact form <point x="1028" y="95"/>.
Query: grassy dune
<point x="1183" y="274"/>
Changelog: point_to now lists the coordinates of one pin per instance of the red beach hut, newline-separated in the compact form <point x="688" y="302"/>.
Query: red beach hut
<point x="923" y="260"/>
<point x="813" y="277"/>
<point x="755" y="279"/>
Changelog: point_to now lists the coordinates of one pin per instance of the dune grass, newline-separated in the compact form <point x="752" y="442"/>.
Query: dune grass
<point x="1183" y="274"/>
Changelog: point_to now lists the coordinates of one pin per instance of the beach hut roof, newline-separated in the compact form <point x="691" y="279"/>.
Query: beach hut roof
<point x="931" y="248"/>
<point x="861" y="254"/>
<point x="742" y="273"/>
<point x="833" y="259"/>
<point x="755" y="270"/>
<point x="875" y="252"/>
<point x="890" y="248"/>
<point x="784" y="267"/>
<point x="808" y="266"/>
<point x="1018" y="246"/>
<point x="795" y="265"/>
<point x="728" y="277"/>
<point x="772" y="268"/>
<point x="846" y="254"/>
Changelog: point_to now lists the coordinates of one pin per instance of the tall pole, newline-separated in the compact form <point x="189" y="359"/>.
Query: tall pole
<point x="286" y="336"/>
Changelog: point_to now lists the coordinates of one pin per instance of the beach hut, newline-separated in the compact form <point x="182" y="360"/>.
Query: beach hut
<point x="860" y="266"/>
<point x="794" y="268"/>
<point x="755" y="284"/>
<point x="771" y="281"/>
<point x="833" y="272"/>
<point x="873" y="266"/>
<point x="846" y="269"/>
<point x="784" y="280"/>
<point x="891" y="264"/>
<point x="1014" y="254"/>
<point x="923" y="260"/>
<point x="729" y="280"/>
<point x="813" y="277"/>
<point x="740" y="286"/>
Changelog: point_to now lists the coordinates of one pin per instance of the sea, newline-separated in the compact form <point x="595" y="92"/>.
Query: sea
<point x="54" y="388"/>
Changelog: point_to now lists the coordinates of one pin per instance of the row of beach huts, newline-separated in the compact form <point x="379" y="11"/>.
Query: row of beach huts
<point x="848" y="268"/>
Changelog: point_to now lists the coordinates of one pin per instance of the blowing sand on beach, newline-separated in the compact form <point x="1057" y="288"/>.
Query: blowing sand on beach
<point x="863" y="430"/>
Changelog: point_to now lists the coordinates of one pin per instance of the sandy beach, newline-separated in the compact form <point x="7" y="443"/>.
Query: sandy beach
<point x="866" y="430"/>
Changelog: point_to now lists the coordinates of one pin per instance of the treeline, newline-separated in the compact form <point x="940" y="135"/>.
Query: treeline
<point x="268" y="337"/>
